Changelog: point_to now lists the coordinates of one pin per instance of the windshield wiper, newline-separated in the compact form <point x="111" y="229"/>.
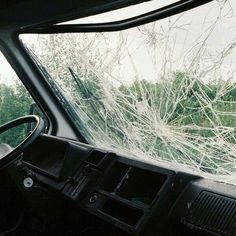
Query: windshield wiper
<point x="94" y="102"/>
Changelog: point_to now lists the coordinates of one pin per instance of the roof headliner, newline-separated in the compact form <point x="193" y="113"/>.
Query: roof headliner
<point x="18" y="14"/>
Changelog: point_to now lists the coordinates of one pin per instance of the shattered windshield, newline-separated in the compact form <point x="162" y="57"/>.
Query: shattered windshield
<point x="164" y="91"/>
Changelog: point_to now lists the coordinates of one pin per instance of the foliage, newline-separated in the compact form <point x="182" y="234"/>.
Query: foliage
<point x="164" y="91"/>
<point x="131" y="109"/>
<point x="14" y="102"/>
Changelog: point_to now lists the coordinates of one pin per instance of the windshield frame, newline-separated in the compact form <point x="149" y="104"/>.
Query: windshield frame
<point x="164" y="12"/>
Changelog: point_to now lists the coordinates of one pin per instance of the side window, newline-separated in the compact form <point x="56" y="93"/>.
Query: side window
<point x="15" y="101"/>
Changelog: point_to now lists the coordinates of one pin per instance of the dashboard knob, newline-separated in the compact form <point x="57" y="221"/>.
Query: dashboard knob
<point x="93" y="198"/>
<point x="28" y="182"/>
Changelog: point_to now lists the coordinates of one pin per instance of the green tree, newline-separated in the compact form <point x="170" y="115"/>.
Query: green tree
<point x="15" y="102"/>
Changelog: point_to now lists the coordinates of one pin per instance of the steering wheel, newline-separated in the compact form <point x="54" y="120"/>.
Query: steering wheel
<point x="13" y="155"/>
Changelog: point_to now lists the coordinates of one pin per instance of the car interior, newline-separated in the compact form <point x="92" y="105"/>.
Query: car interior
<point x="56" y="183"/>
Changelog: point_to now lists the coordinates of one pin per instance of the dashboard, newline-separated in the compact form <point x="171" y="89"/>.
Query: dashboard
<point x="134" y="196"/>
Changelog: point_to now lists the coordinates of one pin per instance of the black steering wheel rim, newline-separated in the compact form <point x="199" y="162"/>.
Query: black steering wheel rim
<point x="13" y="155"/>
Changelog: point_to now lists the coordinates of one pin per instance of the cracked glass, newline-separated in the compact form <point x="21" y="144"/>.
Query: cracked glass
<point x="164" y="91"/>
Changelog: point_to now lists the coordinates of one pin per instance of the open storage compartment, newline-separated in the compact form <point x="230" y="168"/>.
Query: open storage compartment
<point x="47" y="155"/>
<point x="114" y="177"/>
<point x="140" y="186"/>
<point x="122" y="212"/>
<point x="54" y="157"/>
<point x="133" y="184"/>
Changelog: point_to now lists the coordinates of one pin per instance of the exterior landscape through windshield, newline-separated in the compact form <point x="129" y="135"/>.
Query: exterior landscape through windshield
<point x="164" y="91"/>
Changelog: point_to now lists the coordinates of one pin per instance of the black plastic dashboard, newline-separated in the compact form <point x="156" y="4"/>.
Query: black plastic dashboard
<point x="127" y="193"/>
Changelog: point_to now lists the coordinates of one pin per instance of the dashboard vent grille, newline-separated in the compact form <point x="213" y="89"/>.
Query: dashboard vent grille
<point x="214" y="212"/>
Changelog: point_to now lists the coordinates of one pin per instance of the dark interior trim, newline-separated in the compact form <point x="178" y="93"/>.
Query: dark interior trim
<point x="155" y="15"/>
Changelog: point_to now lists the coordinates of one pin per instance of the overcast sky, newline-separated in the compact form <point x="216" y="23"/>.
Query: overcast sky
<point x="6" y="72"/>
<point x="194" y="24"/>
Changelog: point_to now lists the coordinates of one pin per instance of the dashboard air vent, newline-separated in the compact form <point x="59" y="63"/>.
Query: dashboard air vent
<point x="214" y="212"/>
